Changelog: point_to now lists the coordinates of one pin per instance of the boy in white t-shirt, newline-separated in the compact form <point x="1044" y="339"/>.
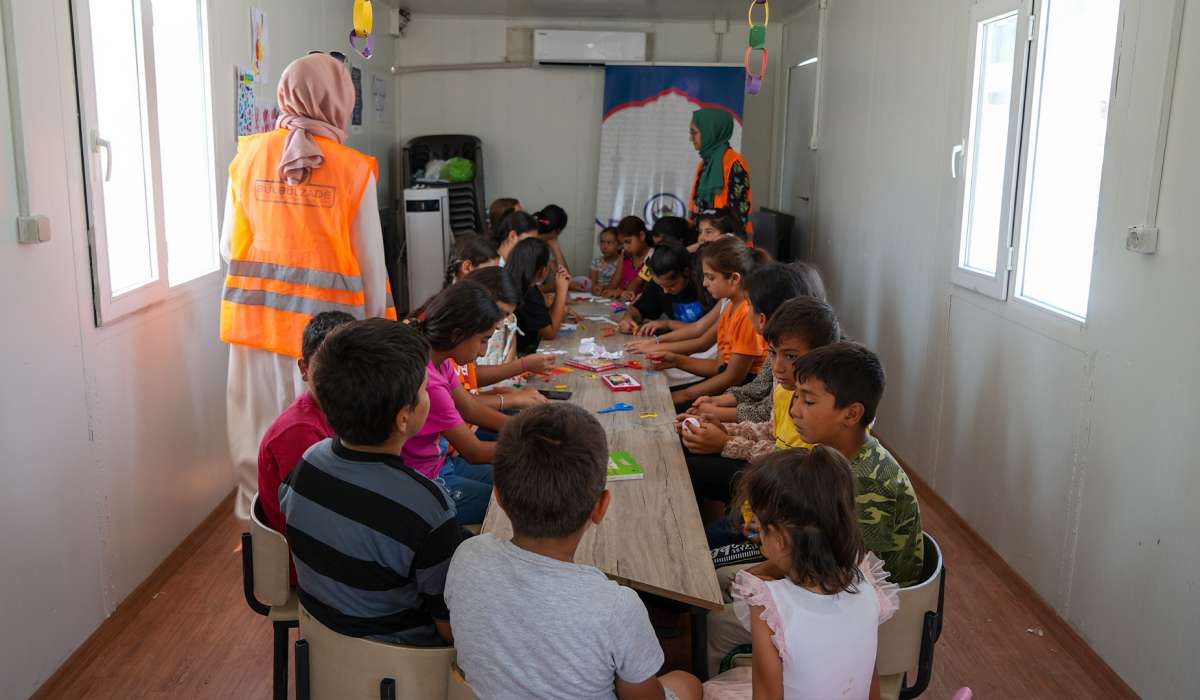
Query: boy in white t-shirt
<point x="528" y="622"/>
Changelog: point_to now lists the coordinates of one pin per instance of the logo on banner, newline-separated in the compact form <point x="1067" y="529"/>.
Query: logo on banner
<point x="662" y="205"/>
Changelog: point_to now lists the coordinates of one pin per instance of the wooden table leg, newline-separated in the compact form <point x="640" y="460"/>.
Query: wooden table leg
<point x="699" y="623"/>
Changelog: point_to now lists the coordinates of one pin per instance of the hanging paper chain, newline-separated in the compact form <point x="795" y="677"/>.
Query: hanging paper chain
<point x="758" y="42"/>
<point x="364" y="28"/>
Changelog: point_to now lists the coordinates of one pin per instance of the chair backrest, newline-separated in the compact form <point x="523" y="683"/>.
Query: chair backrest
<point x="272" y="560"/>
<point x="459" y="688"/>
<point x="900" y="637"/>
<point x="350" y="668"/>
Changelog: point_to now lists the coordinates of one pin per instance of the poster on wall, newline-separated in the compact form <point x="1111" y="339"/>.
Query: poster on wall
<point x="258" y="45"/>
<point x="356" y="117"/>
<point x="244" y="85"/>
<point x="647" y="162"/>
<point x="255" y="114"/>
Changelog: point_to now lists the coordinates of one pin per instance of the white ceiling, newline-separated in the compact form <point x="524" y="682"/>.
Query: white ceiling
<point x="648" y="9"/>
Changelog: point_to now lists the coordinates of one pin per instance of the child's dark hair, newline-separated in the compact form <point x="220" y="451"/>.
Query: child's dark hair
<point x="365" y="373"/>
<point x="460" y="311"/>
<point x="631" y="226"/>
<point x="672" y="227"/>
<point x="730" y="255"/>
<point x="607" y="229"/>
<point x="670" y="257"/>
<point x="551" y="218"/>
<point x="499" y="282"/>
<point x="808" y="318"/>
<point x="468" y="247"/>
<point x="318" y="328"/>
<point x="849" y="371"/>
<point x="811" y="277"/>
<point x="526" y="261"/>
<point x="550" y="468"/>
<point x="810" y="495"/>
<point x="770" y="285"/>
<point x="518" y="221"/>
<point x="500" y="209"/>
<point x="725" y="221"/>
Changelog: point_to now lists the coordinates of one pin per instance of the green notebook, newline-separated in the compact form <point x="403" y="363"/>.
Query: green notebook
<point x="622" y="466"/>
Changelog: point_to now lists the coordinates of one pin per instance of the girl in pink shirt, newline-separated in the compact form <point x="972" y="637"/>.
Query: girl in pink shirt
<point x="457" y="323"/>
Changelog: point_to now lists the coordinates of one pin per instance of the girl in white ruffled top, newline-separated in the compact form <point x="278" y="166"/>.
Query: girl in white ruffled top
<point x="815" y="606"/>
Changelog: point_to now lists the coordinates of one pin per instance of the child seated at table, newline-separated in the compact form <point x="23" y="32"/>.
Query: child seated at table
<point x="813" y="609"/>
<point x="838" y="389"/>
<point x="717" y="451"/>
<point x="636" y="249"/>
<point x="741" y="350"/>
<point x="754" y="400"/>
<point x="713" y="224"/>
<point x="476" y="377"/>
<point x="371" y="538"/>
<point x="529" y="622"/>
<point x="470" y="252"/>
<point x="529" y="264"/>
<point x="457" y="323"/>
<point x="670" y="300"/>
<point x="605" y="269"/>
<point x="299" y="427"/>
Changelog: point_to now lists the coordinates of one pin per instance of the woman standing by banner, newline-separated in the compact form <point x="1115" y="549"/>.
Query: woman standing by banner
<point x="722" y="178"/>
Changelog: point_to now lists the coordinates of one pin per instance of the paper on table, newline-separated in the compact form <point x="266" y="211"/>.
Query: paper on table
<point x="589" y="346"/>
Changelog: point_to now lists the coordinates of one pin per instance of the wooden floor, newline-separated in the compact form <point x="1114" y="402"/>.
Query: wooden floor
<point x="189" y="634"/>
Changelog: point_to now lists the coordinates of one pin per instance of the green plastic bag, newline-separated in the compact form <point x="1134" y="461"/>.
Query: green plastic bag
<point x="458" y="170"/>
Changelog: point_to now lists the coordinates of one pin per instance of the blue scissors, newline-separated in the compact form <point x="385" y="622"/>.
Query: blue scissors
<point x="616" y="408"/>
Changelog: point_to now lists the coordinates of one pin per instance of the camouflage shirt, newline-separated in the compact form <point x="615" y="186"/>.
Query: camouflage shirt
<point x="888" y="512"/>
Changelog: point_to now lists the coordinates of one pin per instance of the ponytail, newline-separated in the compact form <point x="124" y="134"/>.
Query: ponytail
<point x="460" y="311"/>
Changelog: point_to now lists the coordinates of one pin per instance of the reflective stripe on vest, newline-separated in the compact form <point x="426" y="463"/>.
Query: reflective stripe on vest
<point x="291" y="250"/>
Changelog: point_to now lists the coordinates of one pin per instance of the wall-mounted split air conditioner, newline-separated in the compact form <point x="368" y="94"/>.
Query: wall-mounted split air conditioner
<point x="552" y="46"/>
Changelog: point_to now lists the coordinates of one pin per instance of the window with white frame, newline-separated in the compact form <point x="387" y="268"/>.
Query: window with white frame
<point x="146" y="123"/>
<point x="1032" y="152"/>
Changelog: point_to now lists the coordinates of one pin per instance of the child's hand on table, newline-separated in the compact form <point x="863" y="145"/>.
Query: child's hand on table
<point x="538" y="362"/>
<point x="640" y="347"/>
<point x="628" y="295"/>
<point x="627" y="326"/>
<point x="649" y="327"/>
<point x="524" y="398"/>
<point x="707" y="438"/>
<point x="663" y="359"/>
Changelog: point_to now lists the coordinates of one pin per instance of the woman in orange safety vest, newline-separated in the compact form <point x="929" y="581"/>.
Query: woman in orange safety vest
<point x="722" y="178"/>
<point x="301" y="235"/>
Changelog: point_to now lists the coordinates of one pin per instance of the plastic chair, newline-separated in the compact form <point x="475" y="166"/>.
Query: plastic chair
<point x="266" y="583"/>
<point x="906" y="641"/>
<point x="332" y="666"/>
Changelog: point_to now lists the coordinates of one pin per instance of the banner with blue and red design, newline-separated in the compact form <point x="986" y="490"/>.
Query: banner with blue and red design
<point x="647" y="162"/>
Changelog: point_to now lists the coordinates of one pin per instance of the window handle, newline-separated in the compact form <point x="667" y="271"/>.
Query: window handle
<point x="99" y="143"/>
<point x="955" y="154"/>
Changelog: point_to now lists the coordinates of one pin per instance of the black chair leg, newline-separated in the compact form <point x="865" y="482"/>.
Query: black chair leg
<point x="302" y="689"/>
<point x="280" y="676"/>
<point x="387" y="689"/>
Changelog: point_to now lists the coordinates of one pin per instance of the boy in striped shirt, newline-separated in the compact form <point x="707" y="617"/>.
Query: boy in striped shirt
<point x="371" y="538"/>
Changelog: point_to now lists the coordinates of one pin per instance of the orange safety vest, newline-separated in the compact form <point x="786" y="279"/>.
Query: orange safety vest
<point x="722" y="199"/>
<point x="291" y="246"/>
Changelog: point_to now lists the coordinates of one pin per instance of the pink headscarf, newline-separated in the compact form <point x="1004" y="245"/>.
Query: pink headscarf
<point x="316" y="97"/>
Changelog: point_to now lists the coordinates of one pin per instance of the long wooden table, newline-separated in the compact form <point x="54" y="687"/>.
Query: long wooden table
<point x="652" y="538"/>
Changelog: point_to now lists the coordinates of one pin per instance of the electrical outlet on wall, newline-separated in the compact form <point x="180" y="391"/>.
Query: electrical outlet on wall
<point x="1142" y="239"/>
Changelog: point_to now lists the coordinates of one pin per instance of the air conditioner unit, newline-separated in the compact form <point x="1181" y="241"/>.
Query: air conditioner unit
<point x="596" y="48"/>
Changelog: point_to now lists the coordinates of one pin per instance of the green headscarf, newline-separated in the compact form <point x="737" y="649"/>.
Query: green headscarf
<point x="716" y="128"/>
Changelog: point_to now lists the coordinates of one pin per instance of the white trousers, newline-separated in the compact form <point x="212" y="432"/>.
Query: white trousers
<point x="261" y="384"/>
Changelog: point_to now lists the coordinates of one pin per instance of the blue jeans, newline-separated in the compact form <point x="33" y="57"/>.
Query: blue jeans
<point x="469" y="486"/>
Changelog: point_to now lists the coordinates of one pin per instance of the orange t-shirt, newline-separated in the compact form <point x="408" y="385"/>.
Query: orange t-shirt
<point x="736" y="336"/>
<point x="466" y="374"/>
